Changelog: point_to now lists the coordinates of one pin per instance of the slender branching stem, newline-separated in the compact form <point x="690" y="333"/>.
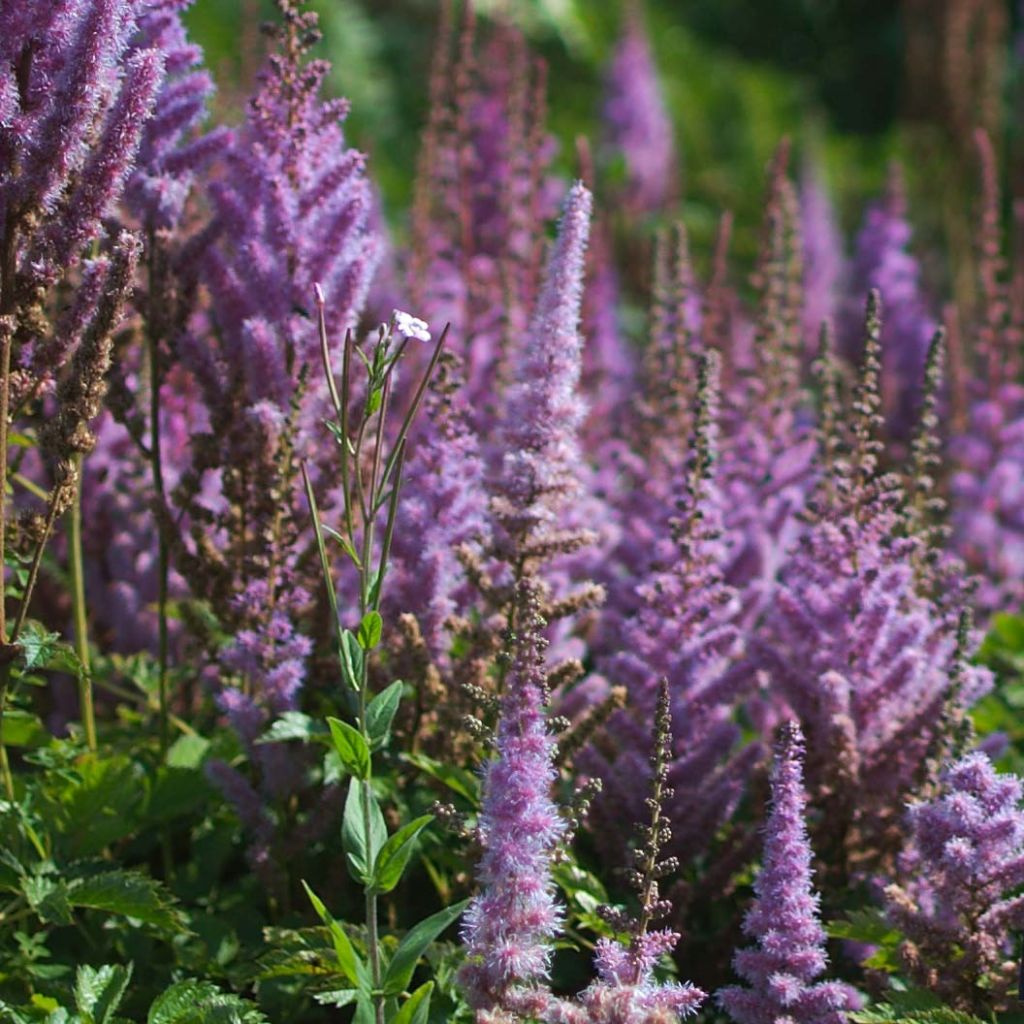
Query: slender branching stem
<point x="76" y="569"/>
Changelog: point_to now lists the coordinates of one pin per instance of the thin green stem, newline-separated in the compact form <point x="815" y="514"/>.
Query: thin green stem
<point x="78" y="605"/>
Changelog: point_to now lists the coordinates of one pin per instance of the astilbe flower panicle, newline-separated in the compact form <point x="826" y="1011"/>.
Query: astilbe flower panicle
<point x="482" y="197"/>
<point x="784" y="920"/>
<point x="824" y="256"/>
<point x="637" y="128"/>
<point x="683" y="628"/>
<point x="882" y="260"/>
<point x="988" y="452"/>
<point x="957" y="900"/>
<point x="858" y="652"/>
<point x="509" y="926"/>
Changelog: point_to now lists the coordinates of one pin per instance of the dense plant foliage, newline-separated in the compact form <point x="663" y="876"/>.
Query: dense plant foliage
<point x="501" y="611"/>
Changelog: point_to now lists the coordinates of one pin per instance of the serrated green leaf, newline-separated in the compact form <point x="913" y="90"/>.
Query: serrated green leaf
<point x="361" y="848"/>
<point x="869" y="926"/>
<point x="348" y="960"/>
<point x="99" y="991"/>
<point x="395" y="853"/>
<point x="416" y="1008"/>
<point x="380" y="713"/>
<point x="47" y="895"/>
<point x="351" y="748"/>
<point x="201" y="1002"/>
<point x="339" y="997"/>
<point x="127" y="894"/>
<point x="370" y="630"/>
<point x="414" y="944"/>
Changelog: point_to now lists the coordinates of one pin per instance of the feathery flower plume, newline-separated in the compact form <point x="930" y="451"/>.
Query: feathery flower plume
<point x="508" y="927"/>
<point x="882" y="261"/>
<point x="859" y="653"/>
<point x="637" y="127"/>
<point x="958" y="901"/>
<point x="784" y="919"/>
<point x="824" y="259"/>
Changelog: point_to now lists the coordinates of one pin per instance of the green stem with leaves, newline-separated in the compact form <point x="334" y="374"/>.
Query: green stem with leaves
<point x="77" y="571"/>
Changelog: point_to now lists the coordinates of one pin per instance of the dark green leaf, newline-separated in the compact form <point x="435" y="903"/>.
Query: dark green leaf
<point x="457" y="779"/>
<point x="351" y="660"/>
<point x="395" y="853"/>
<point x="127" y="894"/>
<point x="351" y="748"/>
<point x="99" y="991"/>
<point x="201" y="1002"/>
<point x="294" y="725"/>
<point x="414" y="944"/>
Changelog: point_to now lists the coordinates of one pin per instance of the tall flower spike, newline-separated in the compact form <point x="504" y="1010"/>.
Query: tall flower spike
<point x="637" y="126"/>
<point x="824" y="259"/>
<point x="539" y="474"/>
<point x="882" y="261"/>
<point x="958" y="901"/>
<point x="784" y="919"/>
<point x="508" y="927"/>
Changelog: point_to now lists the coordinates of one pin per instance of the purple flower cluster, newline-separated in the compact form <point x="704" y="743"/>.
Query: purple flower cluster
<point x="784" y="919"/>
<point x="957" y="902"/>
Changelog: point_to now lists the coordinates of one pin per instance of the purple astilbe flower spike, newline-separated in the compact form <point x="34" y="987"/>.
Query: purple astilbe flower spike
<point x="784" y="919"/>
<point x="172" y="149"/>
<point x="684" y="629"/>
<point x="508" y="927"/>
<point x="987" y="501"/>
<point x="957" y="901"/>
<point x="824" y="259"/>
<point x="539" y="473"/>
<point x="882" y="260"/>
<point x="859" y="653"/>
<point x="637" y="126"/>
<point x="443" y="507"/>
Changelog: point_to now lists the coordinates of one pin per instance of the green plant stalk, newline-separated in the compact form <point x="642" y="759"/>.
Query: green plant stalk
<point x="77" y="572"/>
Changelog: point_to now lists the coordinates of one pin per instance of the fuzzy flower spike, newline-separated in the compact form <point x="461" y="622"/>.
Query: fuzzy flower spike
<point x="784" y="920"/>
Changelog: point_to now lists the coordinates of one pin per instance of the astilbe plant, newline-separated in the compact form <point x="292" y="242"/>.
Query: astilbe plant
<point x="861" y="656"/>
<point x="784" y="922"/>
<point x="957" y="899"/>
<point x="684" y="629"/>
<point x="509" y="926"/>
<point x="824" y="258"/>
<point x="882" y="260"/>
<point x="987" y="451"/>
<point x="637" y="127"/>
<point x="482" y="196"/>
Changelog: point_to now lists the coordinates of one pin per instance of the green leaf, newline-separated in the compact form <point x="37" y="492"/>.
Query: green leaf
<point x="47" y="895"/>
<point x="416" y="1008"/>
<point x="380" y="713"/>
<point x="293" y="725"/>
<point x="348" y="960"/>
<point x="201" y="1002"/>
<point x="188" y="751"/>
<point x="23" y="729"/>
<point x="414" y="944"/>
<point x="370" y="630"/>
<point x="364" y="1011"/>
<point x="351" y="660"/>
<point x="362" y="848"/>
<point x="339" y="997"/>
<point x="42" y="649"/>
<point x="99" y="991"/>
<point x="456" y="779"/>
<point x="395" y="853"/>
<point x="374" y="401"/>
<point x="351" y="748"/>
<point x="127" y="894"/>
<point x="868" y="926"/>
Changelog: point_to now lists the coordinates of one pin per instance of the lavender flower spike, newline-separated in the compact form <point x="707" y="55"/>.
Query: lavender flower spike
<point x="508" y="926"/>
<point x="544" y="411"/>
<point x="784" y="920"/>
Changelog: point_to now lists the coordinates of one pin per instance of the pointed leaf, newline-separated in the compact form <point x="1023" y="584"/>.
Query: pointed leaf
<point x="381" y="713"/>
<point x="351" y="748"/>
<point x="395" y="854"/>
<point x="361" y="848"/>
<point x="348" y="960"/>
<point x="416" y="1008"/>
<point x="370" y="630"/>
<point x="351" y="660"/>
<point x="99" y="991"/>
<point x="413" y="946"/>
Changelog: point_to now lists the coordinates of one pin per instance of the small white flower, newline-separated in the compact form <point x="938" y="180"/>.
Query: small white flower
<point x="411" y="326"/>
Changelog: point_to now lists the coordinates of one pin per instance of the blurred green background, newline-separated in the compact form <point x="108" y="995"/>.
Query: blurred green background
<point x="856" y="83"/>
